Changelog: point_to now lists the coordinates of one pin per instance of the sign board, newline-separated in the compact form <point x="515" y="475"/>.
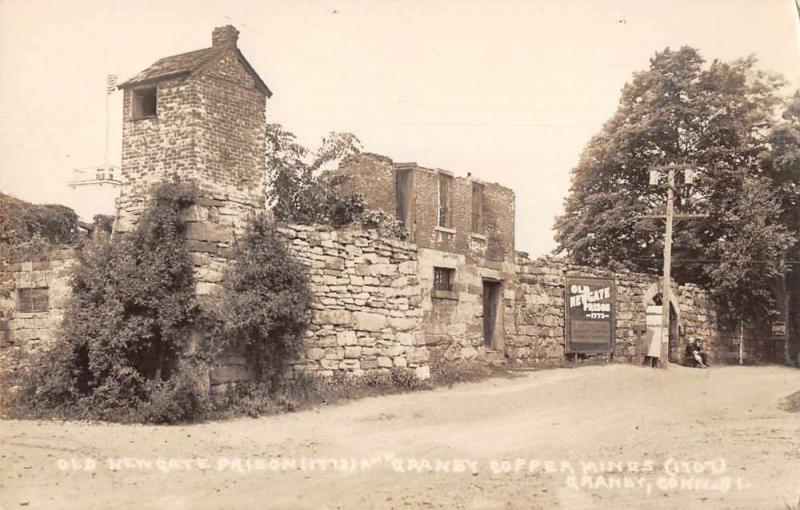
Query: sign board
<point x="590" y="311"/>
<point x="655" y="329"/>
<point x="779" y="330"/>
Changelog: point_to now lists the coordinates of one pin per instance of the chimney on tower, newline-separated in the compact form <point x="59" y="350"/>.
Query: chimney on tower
<point x="224" y="37"/>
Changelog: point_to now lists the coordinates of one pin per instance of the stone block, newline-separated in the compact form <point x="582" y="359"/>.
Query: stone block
<point x="208" y="232"/>
<point x="385" y="362"/>
<point x="352" y="352"/>
<point x="335" y="317"/>
<point x="423" y="373"/>
<point x="405" y="338"/>
<point x="347" y="337"/>
<point x="315" y="353"/>
<point x="369" y="364"/>
<point x="368" y="321"/>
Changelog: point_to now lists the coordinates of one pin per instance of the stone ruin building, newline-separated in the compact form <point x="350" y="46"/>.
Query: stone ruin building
<point x="457" y="288"/>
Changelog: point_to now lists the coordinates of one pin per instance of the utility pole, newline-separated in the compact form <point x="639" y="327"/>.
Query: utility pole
<point x="670" y="217"/>
<point x="666" y="288"/>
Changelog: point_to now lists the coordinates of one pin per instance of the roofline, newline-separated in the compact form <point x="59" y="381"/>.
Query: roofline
<point x="153" y="79"/>
<point x="259" y="83"/>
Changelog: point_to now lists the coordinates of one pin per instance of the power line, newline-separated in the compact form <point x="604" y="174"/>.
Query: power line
<point x="717" y="261"/>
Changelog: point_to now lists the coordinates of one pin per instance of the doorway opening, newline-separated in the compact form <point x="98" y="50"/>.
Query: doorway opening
<point x="492" y="318"/>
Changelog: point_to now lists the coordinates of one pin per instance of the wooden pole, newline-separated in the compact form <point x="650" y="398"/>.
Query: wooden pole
<point x="665" y="282"/>
<point x="105" y="169"/>
<point x="741" y="341"/>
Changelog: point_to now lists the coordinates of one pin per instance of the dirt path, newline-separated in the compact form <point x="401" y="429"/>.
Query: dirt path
<point x="563" y="433"/>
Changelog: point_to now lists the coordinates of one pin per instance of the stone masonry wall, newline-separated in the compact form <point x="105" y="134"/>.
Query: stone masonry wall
<point x="536" y="335"/>
<point x="366" y="306"/>
<point x="366" y="302"/>
<point x="22" y="333"/>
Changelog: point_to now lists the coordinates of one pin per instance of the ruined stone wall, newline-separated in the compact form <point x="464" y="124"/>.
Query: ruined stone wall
<point x="374" y="177"/>
<point x="366" y="304"/>
<point x="536" y="333"/>
<point x="22" y="333"/>
<point x="453" y="320"/>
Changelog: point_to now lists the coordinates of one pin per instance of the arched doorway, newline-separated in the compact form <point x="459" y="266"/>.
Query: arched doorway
<point x="652" y="296"/>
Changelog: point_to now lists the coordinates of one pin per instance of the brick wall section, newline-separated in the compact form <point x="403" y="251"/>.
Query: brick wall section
<point x="156" y="148"/>
<point x="371" y="175"/>
<point x="230" y="139"/>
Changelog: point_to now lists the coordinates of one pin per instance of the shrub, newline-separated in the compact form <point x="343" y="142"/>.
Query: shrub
<point x="126" y="324"/>
<point x="266" y="301"/>
<point x="183" y="398"/>
<point x="21" y="221"/>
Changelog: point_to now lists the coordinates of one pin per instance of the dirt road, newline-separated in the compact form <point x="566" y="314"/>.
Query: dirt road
<point x="594" y="437"/>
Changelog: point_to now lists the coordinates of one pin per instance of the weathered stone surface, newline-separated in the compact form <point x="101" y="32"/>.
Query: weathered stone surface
<point x="336" y="317"/>
<point x="368" y="321"/>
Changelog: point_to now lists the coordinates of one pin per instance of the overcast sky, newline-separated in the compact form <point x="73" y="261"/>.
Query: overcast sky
<point x="510" y="91"/>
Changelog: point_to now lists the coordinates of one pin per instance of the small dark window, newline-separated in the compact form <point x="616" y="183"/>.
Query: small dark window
<point x="145" y="103"/>
<point x="403" y="191"/>
<point x="33" y="300"/>
<point x="477" y="208"/>
<point x="445" y="216"/>
<point x="443" y="278"/>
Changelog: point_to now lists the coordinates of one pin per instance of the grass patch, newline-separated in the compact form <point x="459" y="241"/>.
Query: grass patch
<point x="309" y="391"/>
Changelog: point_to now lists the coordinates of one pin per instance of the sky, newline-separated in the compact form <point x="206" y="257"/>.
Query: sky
<point x="510" y="91"/>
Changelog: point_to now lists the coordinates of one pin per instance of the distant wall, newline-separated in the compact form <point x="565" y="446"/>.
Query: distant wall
<point x="536" y="334"/>
<point x="24" y="332"/>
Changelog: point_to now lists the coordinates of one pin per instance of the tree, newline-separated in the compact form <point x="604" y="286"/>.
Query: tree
<point x="299" y="191"/>
<point x="785" y="168"/>
<point x="717" y="118"/>
<point x="294" y="190"/>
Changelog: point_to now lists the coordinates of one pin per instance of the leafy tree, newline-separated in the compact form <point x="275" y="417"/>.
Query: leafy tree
<point x="784" y="160"/>
<point x="295" y="192"/>
<point x="718" y="119"/>
<point x="298" y="190"/>
<point x="742" y="281"/>
<point x="266" y="301"/>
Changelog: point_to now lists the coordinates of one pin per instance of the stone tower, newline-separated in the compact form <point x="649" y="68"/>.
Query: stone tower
<point x="197" y="117"/>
